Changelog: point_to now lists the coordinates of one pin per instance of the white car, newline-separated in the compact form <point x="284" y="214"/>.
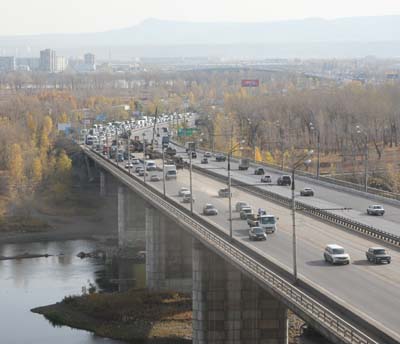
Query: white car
<point x="375" y="210"/>
<point x="182" y="191"/>
<point x="155" y="178"/>
<point x="336" y="254"/>
<point x="187" y="197"/>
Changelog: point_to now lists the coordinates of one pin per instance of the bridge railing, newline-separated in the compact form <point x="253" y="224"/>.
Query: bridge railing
<point x="216" y="239"/>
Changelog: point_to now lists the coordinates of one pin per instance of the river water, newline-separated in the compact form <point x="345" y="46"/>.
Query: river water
<point x="30" y="283"/>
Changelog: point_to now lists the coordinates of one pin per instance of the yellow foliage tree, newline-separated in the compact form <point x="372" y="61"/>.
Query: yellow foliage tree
<point x="37" y="171"/>
<point x="269" y="158"/>
<point x="63" y="165"/>
<point x="257" y="154"/>
<point x="64" y="118"/>
<point x="16" y="167"/>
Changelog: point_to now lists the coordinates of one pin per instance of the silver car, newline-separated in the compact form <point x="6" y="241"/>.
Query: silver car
<point x="210" y="209"/>
<point x="375" y="210"/>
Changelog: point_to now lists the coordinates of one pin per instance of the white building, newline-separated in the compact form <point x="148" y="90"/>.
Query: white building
<point x="61" y="64"/>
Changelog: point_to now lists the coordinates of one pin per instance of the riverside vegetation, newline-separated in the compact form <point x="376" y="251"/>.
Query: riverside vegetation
<point x="136" y="316"/>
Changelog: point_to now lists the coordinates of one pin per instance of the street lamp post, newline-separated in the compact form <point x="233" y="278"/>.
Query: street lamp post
<point x="304" y="160"/>
<point x="237" y="146"/>
<point x="366" y="165"/>
<point x="163" y="168"/>
<point x="190" y="181"/>
<point x="314" y="128"/>
<point x="230" y="196"/>
<point x="117" y="145"/>
<point x="361" y="131"/>
<point x="144" y="158"/>
<point x="294" y="245"/>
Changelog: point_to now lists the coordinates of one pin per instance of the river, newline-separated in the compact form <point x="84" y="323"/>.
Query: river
<point x="29" y="283"/>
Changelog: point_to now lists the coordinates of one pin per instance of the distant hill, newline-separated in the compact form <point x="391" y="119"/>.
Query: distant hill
<point x="374" y="35"/>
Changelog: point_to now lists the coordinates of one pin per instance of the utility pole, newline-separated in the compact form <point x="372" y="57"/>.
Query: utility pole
<point x="163" y="168"/>
<point x="366" y="165"/>
<point x="318" y="153"/>
<point x="294" y="245"/>
<point x="190" y="180"/>
<point x="230" y="185"/>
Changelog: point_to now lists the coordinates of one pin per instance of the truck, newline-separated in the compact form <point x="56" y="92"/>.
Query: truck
<point x="267" y="222"/>
<point x="170" y="171"/>
<point x="165" y="141"/>
<point x="244" y="164"/>
<point x="190" y="146"/>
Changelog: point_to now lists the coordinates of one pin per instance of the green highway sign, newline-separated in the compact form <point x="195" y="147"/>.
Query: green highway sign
<point x="184" y="132"/>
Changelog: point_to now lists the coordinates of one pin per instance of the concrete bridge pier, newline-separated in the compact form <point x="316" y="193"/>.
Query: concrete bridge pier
<point x="103" y="183"/>
<point x="229" y="307"/>
<point x="168" y="254"/>
<point x="131" y="220"/>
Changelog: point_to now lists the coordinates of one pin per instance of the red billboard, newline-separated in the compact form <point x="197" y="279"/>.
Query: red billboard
<point x="250" y="83"/>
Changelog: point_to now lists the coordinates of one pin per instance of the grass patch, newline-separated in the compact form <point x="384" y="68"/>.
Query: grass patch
<point x="135" y="316"/>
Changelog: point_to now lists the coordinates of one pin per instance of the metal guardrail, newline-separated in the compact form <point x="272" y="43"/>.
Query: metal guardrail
<point x="312" y="211"/>
<point x="214" y="237"/>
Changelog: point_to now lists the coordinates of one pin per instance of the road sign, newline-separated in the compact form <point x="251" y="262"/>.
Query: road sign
<point x="250" y="83"/>
<point x="186" y="132"/>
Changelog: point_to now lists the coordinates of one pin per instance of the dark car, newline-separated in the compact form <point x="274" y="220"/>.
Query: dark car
<point x="224" y="192"/>
<point x="257" y="233"/>
<point x="378" y="255"/>
<point x="307" y="192"/>
<point x="259" y="171"/>
<point x="284" y="180"/>
<point x="194" y="155"/>
<point x="204" y="161"/>
<point x="220" y="157"/>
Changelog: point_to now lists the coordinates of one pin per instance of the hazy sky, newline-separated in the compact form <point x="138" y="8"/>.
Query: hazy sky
<point x="40" y="16"/>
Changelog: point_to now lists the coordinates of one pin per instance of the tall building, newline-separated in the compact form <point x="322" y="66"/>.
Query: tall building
<point x="90" y="59"/>
<point x="61" y="64"/>
<point x="7" y="64"/>
<point x="48" y="61"/>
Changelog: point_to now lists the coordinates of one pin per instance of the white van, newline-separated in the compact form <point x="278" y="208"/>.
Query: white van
<point x="170" y="172"/>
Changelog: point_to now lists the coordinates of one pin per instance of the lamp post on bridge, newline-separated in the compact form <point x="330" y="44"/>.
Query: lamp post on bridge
<point x="361" y="131"/>
<point x="144" y="157"/>
<point x="303" y="160"/>
<point x="316" y="130"/>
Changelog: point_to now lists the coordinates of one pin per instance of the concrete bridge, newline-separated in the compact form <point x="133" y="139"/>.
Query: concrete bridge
<point x="238" y="295"/>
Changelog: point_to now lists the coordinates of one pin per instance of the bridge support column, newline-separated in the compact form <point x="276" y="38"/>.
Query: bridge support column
<point x="121" y="215"/>
<point x="168" y="254"/>
<point x="131" y="219"/>
<point x="229" y="307"/>
<point x="103" y="183"/>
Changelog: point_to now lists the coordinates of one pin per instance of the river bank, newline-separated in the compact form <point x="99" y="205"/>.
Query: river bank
<point x="95" y="219"/>
<point x="134" y="316"/>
